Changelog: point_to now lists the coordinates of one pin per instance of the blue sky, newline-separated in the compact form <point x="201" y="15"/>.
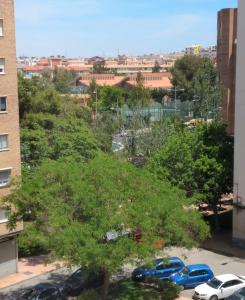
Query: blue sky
<point x="106" y="27"/>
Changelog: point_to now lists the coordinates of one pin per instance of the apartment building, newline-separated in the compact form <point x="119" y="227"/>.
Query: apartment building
<point x="226" y="62"/>
<point x="239" y="162"/>
<point x="9" y="133"/>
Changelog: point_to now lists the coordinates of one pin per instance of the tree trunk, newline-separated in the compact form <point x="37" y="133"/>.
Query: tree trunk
<point x="106" y="284"/>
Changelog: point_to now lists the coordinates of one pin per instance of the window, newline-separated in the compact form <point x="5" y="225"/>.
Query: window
<point x="1" y="27"/>
<point x="2" y="65"/>
<point x="3" y="216"/>
<point x="236" y="281"/>
<point x="198" y="273"/>
<point x="4" y="177"/>
<point x="3" y="142"/>
<point x="161" y="267"/>
<point x="3" y="104"/>
<point x="194" y="273"/>
<point x="228" y="284"/>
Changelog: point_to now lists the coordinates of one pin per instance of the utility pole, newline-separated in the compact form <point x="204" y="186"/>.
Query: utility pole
<point x="175" y="96"/>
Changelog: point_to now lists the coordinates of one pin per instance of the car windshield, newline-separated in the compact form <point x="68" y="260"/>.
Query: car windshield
<point x="184" y="272"/>
<point x="214" y="283"/>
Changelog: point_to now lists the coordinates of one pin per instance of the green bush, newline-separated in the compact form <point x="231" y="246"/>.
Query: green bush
<point x="31" y="242"/>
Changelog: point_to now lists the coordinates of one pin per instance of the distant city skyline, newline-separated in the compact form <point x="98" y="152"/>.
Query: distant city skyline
<point x="108" y="27"/>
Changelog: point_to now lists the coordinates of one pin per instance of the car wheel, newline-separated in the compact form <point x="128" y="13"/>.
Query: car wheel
<point x="214" y="297"/>
<point x="182" y="287"/>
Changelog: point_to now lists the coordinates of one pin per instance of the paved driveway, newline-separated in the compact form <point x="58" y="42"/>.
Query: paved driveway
<point x="220" y="264"/>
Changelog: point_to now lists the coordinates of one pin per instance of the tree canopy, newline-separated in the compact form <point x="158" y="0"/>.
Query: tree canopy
<point x="198" y="161"/>
<point x="74" y="205"/>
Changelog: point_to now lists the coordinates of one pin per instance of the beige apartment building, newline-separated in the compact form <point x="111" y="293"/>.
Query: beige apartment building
<point x="239" y="162"/>
<point x="9" y="133"/>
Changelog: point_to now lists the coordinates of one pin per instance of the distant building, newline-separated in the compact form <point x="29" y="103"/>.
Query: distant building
<point x="209" y="52"/>
<point x="193" y="50"/>
<point x="10" y="166"/>
<point x="151" y="80"/>
<point x="226" y="62"/>
<point x="101" y="80"/>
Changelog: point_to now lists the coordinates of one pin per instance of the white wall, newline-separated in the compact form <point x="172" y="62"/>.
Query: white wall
<point x="239" y="168"/>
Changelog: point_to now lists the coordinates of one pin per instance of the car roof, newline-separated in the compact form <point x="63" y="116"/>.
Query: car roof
<point x="169" y="259"/>
<point x="227" y="277"/>
<point x="198" y="267"/>
<point x="174" y="258"/>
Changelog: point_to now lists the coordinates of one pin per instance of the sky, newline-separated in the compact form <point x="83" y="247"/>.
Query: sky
<point x="84" y="28"/>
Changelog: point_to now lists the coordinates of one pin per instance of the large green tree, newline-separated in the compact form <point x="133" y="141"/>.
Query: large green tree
<point x="111" y="98"/>
<point x="75" y="205"/>
<point x="200" y="162"/>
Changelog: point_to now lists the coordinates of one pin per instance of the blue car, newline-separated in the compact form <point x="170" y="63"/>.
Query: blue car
<point x="161" y="269"/>
<point x="191" y="276"/>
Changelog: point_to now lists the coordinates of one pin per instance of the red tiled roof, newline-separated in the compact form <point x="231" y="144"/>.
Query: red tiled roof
<point x="35" y="68"/>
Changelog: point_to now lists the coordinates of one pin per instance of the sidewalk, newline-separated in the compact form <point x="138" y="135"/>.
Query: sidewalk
<point x="29" y="268"/>
<point x="222" y="243"/>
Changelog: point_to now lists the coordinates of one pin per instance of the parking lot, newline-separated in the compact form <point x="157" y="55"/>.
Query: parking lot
<point x="220" y="264"/>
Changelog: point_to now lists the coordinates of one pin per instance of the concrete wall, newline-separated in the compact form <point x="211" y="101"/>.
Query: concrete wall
<point x="239" y="168"/>
<point x="8" y="257"/>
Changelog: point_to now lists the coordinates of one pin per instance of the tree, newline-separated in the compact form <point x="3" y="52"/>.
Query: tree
<point x="199" y="162"/>
<point x="157" y="68"/>
<point x="140" y="95"/>
<point x="207" y="89"/>
<point x="75" y="205"/>
<point x="46" y="136"/>
<point x="99" y="67"/>
<point x="158" y="94"/>
<point x="111" y="97"/>
<point x="183" y="75"/>
<point x="63" y="80"/>
<point x="28" y="89"/>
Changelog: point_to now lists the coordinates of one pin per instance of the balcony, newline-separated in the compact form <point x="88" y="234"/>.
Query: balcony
<point x="4" y="231"/>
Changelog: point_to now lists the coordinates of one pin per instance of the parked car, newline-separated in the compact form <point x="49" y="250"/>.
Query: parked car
<point x="82" y="279"/>
<point x="161" y="269"/>
<point x="238" y="295"/>
<point x="219" y="287"/>
<point x="42" y="291"/>
<point x="192" y="276"/>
